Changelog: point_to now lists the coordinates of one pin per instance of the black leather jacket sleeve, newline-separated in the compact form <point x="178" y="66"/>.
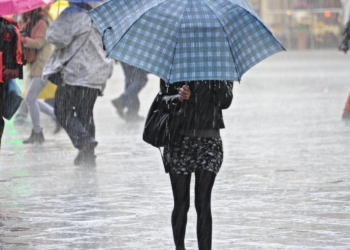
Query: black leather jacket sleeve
<point x="169" y="97"/>
<point x="224" y="94"/>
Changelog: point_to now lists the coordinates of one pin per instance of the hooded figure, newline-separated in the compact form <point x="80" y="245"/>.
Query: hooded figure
<point x="80" y="57"/>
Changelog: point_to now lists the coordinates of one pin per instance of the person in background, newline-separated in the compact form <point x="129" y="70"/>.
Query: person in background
<point x="135" y="80"/>
<point x="344" y="46"/>
<point x="33" y="33"/>
<point x="85" y="69"/>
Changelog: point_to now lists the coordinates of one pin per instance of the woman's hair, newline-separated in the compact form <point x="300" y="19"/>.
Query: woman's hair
<point x="33" y="16"/>
<point x="84" y="6"/>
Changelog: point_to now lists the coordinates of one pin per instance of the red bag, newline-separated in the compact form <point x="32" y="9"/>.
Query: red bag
<point x="1" y="81"/>
<point x="11" y="50"/>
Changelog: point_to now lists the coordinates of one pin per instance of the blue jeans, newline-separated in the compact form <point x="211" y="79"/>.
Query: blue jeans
<point x="135" y="80"/>
<point x="36" y="85"/>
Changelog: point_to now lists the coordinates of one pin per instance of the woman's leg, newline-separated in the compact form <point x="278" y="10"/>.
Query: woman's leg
<point x="23" y="109"/>
<point x="204" y="185"/>
<point x="46" y="109"/>
<point x="35" y="87"/>
<point x="85" y="107"/>
<point x="66" y="99"/>
<point x="181" y="191"/>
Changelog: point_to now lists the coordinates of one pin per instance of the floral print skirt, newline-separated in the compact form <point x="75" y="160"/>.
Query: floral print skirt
<point x="189" y="154"/>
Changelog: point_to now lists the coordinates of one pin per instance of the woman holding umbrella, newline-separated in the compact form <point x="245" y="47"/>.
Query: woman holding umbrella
<point x="196" y="151"/>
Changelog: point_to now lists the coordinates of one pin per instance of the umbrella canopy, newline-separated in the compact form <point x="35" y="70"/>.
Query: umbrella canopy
<point x="84" y="1"/>
<point x="57" y="7"/>
<point x="183" y="40"/>
<point x="9" y="7"/>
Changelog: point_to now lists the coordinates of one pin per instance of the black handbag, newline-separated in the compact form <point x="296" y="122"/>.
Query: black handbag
<point x="56" y="78"/>
<point x="161" y="126"/>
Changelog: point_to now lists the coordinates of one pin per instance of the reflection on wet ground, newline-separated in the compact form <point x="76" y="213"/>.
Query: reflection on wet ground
<point x="285" y="182"/>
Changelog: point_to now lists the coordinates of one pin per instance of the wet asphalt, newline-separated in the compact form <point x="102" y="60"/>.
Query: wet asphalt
<point x="284" y="184"/>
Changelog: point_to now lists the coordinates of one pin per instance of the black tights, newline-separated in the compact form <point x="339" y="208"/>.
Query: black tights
<point x="181" y="191"/>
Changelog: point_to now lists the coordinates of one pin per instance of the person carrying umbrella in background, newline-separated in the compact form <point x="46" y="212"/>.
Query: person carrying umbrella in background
<point x="12" y="7"/>
<point x="80" y="58"/>
<point x="197" y="48"/>
<point x="344" y="46"/>
<point x="50" y="12"/>
<point x="33" y="33"/>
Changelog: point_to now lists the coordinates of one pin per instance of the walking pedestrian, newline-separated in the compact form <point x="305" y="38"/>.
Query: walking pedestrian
<point x="344" y="46"/>
<point x="196" y="150"/>
<point x="80" y="57"/>
<point x="11" y="64"/>
<point x="33" y="32"/>
<point x="135" y="80"/>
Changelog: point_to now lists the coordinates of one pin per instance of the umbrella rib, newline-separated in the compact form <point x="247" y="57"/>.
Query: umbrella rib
<point x="254" y="14"/>
<point x="276" y="40"/>
<point x="239" y="78"/>
<point x="177" y="38"/>
<point x="223" y="28"/>
<point x="110" y="51"/>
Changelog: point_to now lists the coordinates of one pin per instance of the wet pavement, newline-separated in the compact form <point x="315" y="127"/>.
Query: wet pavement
<point x="284" y="184"/>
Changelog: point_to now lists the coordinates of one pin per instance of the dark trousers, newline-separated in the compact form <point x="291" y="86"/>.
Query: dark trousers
<point x="181" y="190"/>
<point x="74" y="111"/>
<point x="2" y="105"/>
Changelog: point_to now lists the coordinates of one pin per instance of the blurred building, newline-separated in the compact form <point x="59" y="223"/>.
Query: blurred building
<point x="305" y="24"/>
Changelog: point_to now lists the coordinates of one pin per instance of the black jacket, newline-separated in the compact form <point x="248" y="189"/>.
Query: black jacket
<point x="202" y="116"/>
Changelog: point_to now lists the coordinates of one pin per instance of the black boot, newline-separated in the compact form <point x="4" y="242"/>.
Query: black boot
<point x="85" y="159"/>
<point x="86" y="155"/>
<point x="35" y="138"/>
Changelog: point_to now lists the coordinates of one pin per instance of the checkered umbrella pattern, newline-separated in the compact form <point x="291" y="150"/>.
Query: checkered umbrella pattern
<point x="185" y="40"/>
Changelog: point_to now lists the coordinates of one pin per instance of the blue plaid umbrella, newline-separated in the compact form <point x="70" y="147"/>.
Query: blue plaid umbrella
<point x="184" y="40"/>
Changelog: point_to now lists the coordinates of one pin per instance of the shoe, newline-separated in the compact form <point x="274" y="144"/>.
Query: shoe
<point x="118" y="104"/>
<point x="35" y="138"/>
<point x="85" y="160"/>
<point x="21" y="120"/>
<point x="86" y="156"/>
<point x="133" y="118"/>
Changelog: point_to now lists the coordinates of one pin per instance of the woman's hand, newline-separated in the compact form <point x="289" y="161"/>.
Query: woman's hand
<point x="24" y="39"/>
<point x="184" y="93"/>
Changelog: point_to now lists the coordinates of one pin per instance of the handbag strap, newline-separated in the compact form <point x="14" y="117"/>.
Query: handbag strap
<point x="82" y="45"/>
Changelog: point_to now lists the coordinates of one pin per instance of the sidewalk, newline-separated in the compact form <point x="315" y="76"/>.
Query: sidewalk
<point x="284" y="184"/>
